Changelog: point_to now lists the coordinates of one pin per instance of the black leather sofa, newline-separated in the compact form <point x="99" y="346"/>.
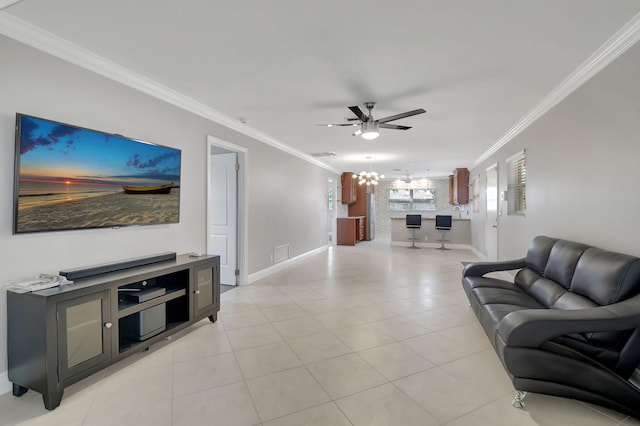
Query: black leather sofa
<point x="569" y="323"/>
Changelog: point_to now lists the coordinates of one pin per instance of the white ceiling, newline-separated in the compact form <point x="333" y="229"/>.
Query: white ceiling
<point x="477" y="66"/>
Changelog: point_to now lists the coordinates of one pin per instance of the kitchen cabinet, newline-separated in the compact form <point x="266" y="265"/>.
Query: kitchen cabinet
<point x="349" y="188"/>
<point x="459" y="186"/>
<point x="350" y="230"/>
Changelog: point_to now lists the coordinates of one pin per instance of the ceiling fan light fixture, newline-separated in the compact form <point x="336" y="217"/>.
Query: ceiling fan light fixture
<point x="370" y="130"/>
<point x="371" y="135"/>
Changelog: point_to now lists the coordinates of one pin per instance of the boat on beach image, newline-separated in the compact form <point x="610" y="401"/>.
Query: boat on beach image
<point x="160" y="189"/>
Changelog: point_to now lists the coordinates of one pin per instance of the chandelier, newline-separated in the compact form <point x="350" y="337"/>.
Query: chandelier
<point x="369" y="178"/>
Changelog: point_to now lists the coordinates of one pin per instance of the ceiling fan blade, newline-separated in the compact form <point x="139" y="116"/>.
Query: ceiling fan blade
<point x="393" y="126"/>
<point x="402" y="115"/>
<point x="338" y="125"/>
<point x="358" y="112"/>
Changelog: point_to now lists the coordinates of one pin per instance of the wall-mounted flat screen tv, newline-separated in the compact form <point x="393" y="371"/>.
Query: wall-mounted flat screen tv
<point x="69" y="177"/>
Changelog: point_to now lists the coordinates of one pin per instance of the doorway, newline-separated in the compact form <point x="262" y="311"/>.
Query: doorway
<point x="491" y="223"/>
<point x="331" y="211"/>
<point x="226" y="219"/>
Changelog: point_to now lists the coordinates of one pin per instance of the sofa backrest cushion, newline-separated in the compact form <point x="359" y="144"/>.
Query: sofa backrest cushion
<point x="538" y="253"/>
<point x="562" y="261"/>
<point x="547" y="292"/>
<point x="525" y="278"/>
<point x="606" y="277"/>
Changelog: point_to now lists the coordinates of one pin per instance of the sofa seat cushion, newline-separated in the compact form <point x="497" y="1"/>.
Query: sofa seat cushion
<point x="491" y="315"/>
<point x="511" y="296"/>
<point x="573" y="301"/>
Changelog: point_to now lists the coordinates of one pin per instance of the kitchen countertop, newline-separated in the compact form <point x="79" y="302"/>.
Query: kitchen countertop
<point x="427" y="218"/>
<point x="428" y="236"/>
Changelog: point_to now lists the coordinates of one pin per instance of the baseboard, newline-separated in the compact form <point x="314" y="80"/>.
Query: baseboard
<point x="432" y="245"/>
<point x="481" y="256"/>
<point x="5" y="384"/>
<point x="283" y="265"/>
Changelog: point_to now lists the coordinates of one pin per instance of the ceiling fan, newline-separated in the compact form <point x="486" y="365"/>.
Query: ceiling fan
<point x="369" y="128"/>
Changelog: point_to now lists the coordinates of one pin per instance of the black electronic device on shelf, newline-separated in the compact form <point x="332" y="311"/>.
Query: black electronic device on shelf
<point x="141" y="295"/>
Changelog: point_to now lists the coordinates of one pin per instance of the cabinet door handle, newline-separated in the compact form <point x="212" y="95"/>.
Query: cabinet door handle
<point x="108" y="324"/>
<point x="197" y="292"/>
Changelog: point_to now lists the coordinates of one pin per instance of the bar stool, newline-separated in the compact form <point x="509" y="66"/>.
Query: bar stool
<point x="443" y="224"/>
<point x="413" y="222"/>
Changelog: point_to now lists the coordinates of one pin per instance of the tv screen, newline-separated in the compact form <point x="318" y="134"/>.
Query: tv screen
<point x="413" y="220"/>
<point x="443" y="222"/>
<point x="69" y="177"/>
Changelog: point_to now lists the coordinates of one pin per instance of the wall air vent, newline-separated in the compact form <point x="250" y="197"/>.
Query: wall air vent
<point x="281" y="253"/>
<point x="323" y="154"/>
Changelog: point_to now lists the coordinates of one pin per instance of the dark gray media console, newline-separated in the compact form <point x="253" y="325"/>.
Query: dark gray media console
<point x="61" y="335"/>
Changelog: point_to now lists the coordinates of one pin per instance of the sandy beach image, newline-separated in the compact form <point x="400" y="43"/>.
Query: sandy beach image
<point x="69" y="177"/>
<point x="116" y="209"/>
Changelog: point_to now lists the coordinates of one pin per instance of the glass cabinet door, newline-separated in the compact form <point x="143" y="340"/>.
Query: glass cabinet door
<point x="206" y="290"/>
<point x="84" y="333"/>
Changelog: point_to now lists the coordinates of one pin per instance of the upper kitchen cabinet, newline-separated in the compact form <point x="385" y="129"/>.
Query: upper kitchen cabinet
<point x="349" y="188"/>
<point x="459" y="186"/>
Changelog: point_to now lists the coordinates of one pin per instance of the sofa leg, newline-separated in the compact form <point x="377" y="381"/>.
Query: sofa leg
<point x="517" y="401"/>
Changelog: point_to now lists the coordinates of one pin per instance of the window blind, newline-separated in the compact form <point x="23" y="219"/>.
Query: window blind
<point x="517" y="184"/>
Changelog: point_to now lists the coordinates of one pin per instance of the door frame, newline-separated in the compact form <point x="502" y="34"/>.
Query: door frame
<point x="493" y="166"/>
<point x="242" y="219"/>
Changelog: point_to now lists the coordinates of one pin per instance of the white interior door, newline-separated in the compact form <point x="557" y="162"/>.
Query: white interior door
<point x="491" y="224"/>
<point x="223" y="214"/>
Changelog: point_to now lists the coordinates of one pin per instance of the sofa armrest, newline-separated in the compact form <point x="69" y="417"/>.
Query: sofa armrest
<point x="478" y="269"/>
<point x="532" y="327"/>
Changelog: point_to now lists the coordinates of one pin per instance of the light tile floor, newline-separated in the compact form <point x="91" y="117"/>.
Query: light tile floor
<point x="365" y="335"/>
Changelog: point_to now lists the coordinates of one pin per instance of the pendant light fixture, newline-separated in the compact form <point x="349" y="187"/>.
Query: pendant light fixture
<point x="369" y="178"/>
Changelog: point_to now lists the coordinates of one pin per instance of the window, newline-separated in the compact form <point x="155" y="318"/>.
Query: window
<point x="421" y="199"/>
<point x="517" y="184"/>
<point x="475" y="191"/>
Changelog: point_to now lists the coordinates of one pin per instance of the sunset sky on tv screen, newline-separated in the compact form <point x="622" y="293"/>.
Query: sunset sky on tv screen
<point x="59" y="153"/>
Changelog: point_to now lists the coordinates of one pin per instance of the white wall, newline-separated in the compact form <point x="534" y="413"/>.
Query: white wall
<point x="286" y="193"/>
<point x="287" y="204"/>
<point x="582" y="168"/>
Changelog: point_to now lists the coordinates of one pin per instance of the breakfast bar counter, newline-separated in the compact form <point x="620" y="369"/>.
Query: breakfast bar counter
<point x="428" y="236"/>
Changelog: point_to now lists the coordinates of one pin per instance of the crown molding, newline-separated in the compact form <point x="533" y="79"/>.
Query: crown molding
<point x="47" y="42"/>
<point x="617" y="44"/>
<point x="6" y="3"/>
